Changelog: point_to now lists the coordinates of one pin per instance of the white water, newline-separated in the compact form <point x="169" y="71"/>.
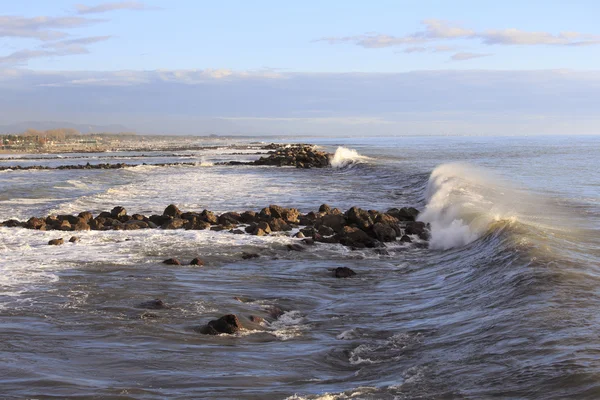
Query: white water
<point x="463" y="201"/>
<point x="344" y="156"/>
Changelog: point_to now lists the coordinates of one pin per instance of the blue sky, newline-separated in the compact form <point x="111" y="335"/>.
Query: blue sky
<point x="118" y="50"/>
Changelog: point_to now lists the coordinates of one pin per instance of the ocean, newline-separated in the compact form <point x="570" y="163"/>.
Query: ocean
<point x="501" y="302"/>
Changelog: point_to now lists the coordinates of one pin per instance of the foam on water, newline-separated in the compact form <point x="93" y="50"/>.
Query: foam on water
<point x="464" y="201"/>
<point x="344" y="157"/>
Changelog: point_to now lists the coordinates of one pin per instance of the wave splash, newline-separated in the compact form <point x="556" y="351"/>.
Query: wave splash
<point x="344" y="157"/>
<point x="463" y="201"/>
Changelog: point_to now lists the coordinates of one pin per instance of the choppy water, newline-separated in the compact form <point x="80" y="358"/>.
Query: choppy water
<point x="504" y="303"/>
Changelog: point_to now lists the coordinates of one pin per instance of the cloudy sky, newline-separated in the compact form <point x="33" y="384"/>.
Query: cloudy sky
<point x="311" y="67"/>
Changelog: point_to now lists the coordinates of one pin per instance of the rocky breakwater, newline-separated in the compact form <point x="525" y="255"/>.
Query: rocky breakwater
<point x="296" y="155"/>
<point x="356" y="228"/>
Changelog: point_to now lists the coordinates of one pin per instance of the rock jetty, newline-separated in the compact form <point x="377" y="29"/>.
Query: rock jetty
<point x="356" y="228"/>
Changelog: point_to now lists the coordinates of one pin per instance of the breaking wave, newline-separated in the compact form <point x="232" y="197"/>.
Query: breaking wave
<point x="344" y="157"/>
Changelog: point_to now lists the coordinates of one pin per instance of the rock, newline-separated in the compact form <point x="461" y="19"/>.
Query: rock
<point x="248" y="217"/>
<point x="64" y="226"/>
<point x="135" y="224"/>
<point x="299" y="235"/>
<point x="156" y="304"/>
<point x="56" y="242"/>
<point x="262" y="226"/>
<point x="308" y="231"/>
<point x="295" y="247"/>
<point x="172" y="211"/>
<point x="259" y="232"/>
<point x="86" y="216"/>
<point x="74" y="239"/>
<point x="208" y="216"/>
<point x="256" y="319"/>
<point x="308" y="241"/>
<point x="118" y="212"/>
<point x="35" y="223"/>
<point x="176" y="223"/>
<point x="404" y="213"/>
<point x="278" y="225"/>
<point x="197" y="261"/>
<point x="226" y="324"/>
<point x="359" y="217"/>
<point x="390" y="221"/>
<point x="81" y="226"/>
<point x="384" y="232"/>
<point x="172" y="261"/>
<point x="324" y="208"/>
<point x="335" y="222"/>
<point x="229" y="218"/>
<point x="237" y="231"/>
<point x="357" y="238"/>
<point x="405" y="239"/>
<point x="248" y="256"/>
<point x="417" y="228"/>
<point x="325" y="230"/>
<point x="343" y="272"/>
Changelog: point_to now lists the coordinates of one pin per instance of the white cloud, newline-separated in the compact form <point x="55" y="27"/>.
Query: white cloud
<point x="439" y="30"/>
<point x="467" y="56"/>
<point x="41" y="28"/>
<point x="112" y="6"/>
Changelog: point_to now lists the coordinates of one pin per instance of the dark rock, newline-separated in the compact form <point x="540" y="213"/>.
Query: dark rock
<point x="172" y="261"/>
<point x="417" y="228"/>
<point x="160" y="220"/>
<point x="324" y="208"/>
<point x="308" y="241"/>
<point x="404" y="213"/>
<point x="256" y="319"/>
<point x="35" y="223"/>
<point x="118" y="212"/>
<point x="176" y="223"/>
<point x="74" y="239"/>
<point x="359" y="217"/>
<point x="278" y="225"/>
<point x="295" y="247"/>
<point x="56" y="242"/>
<point x="325" y="230"/>
<point x="64" y="226"/>
<point x="197" y="261"/>
<point x="81" y="226"/>
<point x="156" y="304"/>
<point x="248" y="256"/>
<point x="335" y="222"/>
<point x="208" y="216"/>
<point x="226" y="324"/>
<point x="172" y="211"/>
<point x="135" y="224"/>
<point x="384" y="232"/>
<point x="299" y="235"/>
<point x="405" y="239"/>
<point x="237" y="231"/>
<point x="229" y="218"/>
<point x="248" y="217"/>
<point x="343" y="272"/>
<point x="104" y="214"/>
<point x="86" y="216"/>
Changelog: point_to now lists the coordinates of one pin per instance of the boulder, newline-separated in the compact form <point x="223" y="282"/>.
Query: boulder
<point x="404" y="213"/>
<point x="335" y="222"/>
<point x="135" y="224"/>
<point x="197" y="261"/>
<point x="417" y="228"/>
<point x="86" y="216"/>
<point x="81" y="226"/>
<point x="56" y="242"/>
<point x="35" y="223"/>
<point x="156" y="304"/>
<point x="359" y="217"/>
<point x="324" y="208"/>
<point x="176" y="223"/>
<point x="248" y="217"/>
<point x="172" y="261"/>
<point x="118" y="212"/>
<point x="208" y="216"/>
<point x="384" y="232"/>
<point x="278" y="224"/>
<point x="74" y="239"/>
<point x="172" y="211"/>
<point x="295" y="247"/>
<point x="228" y="324"/>
<point x="343" y="272"/>
<point x="229" y="218"/>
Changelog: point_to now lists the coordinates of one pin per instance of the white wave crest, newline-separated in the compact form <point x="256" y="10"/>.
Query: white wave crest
<point x="462" y="202"/>
<point x="344" y="156"/>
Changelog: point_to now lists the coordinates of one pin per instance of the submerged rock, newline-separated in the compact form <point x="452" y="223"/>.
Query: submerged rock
<point x="56" y="242"/>
<point x="156" y="304"/>
<point x="172" y="261"/>
<point x="343" y="272"/>
<point x="74" y="239"/>
<point x="228" y="324"/>
<point x="197" y="261"/>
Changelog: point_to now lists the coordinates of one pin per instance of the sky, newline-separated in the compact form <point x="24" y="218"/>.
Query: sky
<point x="310" y="67"/>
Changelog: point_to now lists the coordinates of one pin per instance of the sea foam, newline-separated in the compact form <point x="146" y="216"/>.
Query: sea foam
<point x="344" y="157"/>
